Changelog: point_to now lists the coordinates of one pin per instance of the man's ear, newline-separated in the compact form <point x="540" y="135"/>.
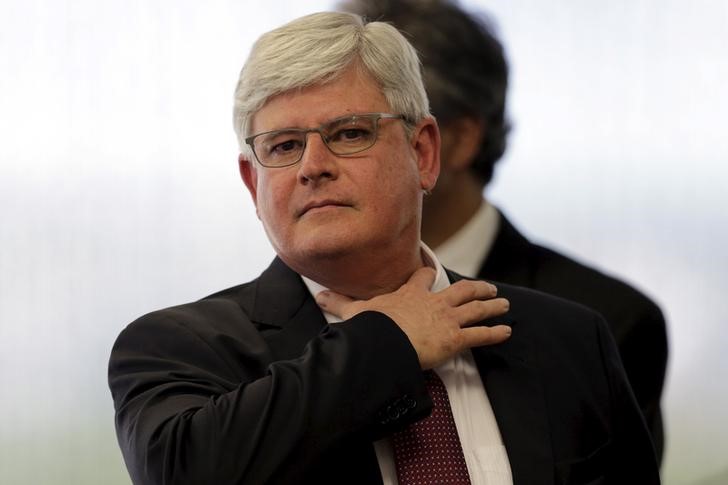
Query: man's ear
<point x="426" y="145"/>
<point x="249" y="175"/>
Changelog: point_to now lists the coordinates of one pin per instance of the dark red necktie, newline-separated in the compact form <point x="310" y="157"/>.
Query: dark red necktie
<point x="428" y="452"/>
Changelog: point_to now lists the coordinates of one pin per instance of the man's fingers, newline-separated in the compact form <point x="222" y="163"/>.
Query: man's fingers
<point x="423" y="278"/>
<point x="338" y="305"/>
<point x="479" y="336"/>
<point x="465" y="291"/>
<point x="478" y="310"/>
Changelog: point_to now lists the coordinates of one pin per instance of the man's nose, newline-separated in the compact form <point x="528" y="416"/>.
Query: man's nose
<point x="317" y="161"/>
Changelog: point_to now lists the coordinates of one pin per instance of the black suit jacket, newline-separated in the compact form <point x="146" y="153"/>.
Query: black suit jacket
<point x="636" y="322"/>
<point x="251" y="385"/>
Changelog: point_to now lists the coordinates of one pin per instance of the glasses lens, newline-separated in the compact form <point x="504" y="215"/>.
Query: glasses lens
<point x="279" y="148"/>
<point x="351" y="135"/>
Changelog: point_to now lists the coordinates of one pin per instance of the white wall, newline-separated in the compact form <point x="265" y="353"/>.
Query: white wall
<point x="119" y="191"/>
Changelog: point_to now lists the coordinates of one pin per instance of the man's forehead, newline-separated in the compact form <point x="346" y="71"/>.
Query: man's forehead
<point x="350" y="93"/>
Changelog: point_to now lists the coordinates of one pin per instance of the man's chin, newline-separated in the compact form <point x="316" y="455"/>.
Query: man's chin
<point x="328" y="250"/>
<point x="322" y="250"/>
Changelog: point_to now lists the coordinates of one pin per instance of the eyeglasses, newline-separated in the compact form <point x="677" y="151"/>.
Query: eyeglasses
<point x="342" y="136"/>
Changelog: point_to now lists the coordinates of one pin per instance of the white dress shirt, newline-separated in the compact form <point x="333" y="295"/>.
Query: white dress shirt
<point x="485" y="455"/>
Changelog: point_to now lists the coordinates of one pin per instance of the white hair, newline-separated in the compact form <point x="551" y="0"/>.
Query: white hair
<point x="316" y="49"/>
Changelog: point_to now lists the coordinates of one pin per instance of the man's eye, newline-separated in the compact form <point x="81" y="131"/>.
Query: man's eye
<point x="284" y="147"/>
<point x="350" y="134"/>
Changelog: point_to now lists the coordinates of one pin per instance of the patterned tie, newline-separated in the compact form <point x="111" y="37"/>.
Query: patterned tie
<point x="428" y="452"/>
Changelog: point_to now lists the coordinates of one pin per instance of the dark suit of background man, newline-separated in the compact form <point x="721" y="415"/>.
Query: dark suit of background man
<point x="466" y="77"/>
<point x="304" y="374"/>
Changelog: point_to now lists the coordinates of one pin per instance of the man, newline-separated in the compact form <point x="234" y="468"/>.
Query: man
<point x="466" y="76"/>
<point x="313" y="372"/>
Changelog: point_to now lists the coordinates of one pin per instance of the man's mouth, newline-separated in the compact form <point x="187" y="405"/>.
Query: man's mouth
<point x="319" y="205"/>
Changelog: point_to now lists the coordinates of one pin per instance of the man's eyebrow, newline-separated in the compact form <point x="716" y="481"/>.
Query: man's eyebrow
<point x="337" y="119"/>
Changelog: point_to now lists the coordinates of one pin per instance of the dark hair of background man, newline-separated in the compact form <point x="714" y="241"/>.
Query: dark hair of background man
<point x="464" y="47"/>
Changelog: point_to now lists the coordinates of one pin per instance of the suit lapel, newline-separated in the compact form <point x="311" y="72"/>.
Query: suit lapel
<point x="285" y="311"/>
<point x="289" y="318"/>
<point x="516" y="395"/>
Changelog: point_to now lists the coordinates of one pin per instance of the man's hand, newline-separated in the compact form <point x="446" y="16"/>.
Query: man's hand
<point x="437" y="324"/>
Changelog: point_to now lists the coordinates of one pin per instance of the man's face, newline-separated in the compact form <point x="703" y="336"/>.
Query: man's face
<point x="329" y="206"/>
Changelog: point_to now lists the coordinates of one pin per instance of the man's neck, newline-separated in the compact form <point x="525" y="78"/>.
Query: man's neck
<point x="362" y="276"/>
<point x="450" y="207"/>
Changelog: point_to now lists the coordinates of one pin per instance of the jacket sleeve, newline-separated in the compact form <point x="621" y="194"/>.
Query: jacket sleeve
<point x="633" y="458"/>
<point x="197" y="409"/>
<point x="643" y="347"/>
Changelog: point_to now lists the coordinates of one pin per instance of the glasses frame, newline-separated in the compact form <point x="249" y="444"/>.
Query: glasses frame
<point x="250" y="141"/>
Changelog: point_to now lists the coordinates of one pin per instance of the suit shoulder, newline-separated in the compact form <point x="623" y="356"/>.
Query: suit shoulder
<point x="534" y="299"/>
<point x="211" y="333"/>
<point x="617" y="300"/>
<point x="534" y="308"/>
<point x="529" y="301"/>
<point x="515" y="259"/>
<point x="213" y="313"/>
<point x="555" y="266"/>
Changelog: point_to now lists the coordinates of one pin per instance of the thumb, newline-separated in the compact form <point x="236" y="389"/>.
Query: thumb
<point x="339" y="305"/>
<point x="423" y="278"/>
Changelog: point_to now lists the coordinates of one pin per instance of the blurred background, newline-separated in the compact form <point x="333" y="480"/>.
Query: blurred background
<point x="119" y="191"/>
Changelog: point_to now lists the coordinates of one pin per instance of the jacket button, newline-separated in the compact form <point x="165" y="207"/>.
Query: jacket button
<point x="393" y="413"/>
